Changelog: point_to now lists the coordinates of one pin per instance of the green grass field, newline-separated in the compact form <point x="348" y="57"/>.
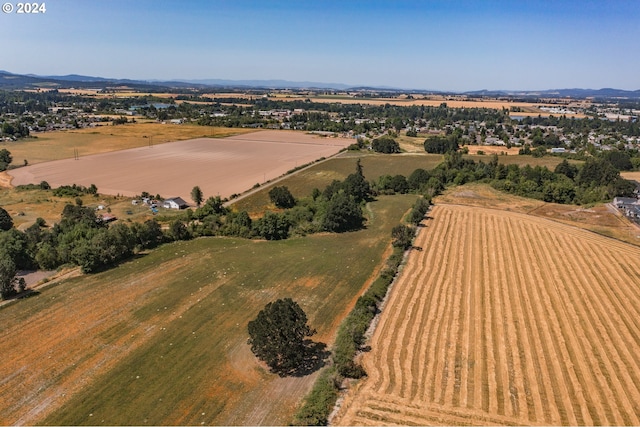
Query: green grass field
<point x="319" y="176"/>
<point x="178" y="317"/>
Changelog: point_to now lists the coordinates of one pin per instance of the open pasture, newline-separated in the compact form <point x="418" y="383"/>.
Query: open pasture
<point x="58" y="145"/>
<point x="162" y="339"/>
<point x="505" y="318"/>
<point x="220" y="166"/>
<point x="322" y="174"/>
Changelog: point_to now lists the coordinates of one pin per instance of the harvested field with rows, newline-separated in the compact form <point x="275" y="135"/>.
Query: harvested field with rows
<point x="506" y="318"/>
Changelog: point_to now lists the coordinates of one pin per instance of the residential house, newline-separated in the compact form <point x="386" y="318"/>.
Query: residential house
<point x="175" y="203"/>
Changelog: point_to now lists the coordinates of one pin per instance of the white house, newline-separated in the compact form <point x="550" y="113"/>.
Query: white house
<point x="175" y="203"/>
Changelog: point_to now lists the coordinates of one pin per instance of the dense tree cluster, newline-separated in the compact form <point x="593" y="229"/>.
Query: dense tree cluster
<point x="441" y="144"/>
<point x="72" y="190"/>
<point x="385" y="144"/>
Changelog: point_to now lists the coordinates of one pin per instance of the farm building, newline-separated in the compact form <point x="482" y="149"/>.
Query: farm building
<point x="108" y="218"/>
<point x="630" y="206"/>
<point x="175" y="203"/>
<point x="620" y="202"/>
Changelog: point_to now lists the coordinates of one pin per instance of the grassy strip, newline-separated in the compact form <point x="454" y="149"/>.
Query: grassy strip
<point x="351" y="337"/>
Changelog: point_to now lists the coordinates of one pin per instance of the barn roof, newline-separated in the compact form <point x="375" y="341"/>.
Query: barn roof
<point x="178" y="200"/>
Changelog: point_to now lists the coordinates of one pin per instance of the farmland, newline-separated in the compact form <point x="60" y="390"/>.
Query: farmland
<point x="320" y="175"/>
<point x="506" y="318"/>
<point x="172" y="323"/>
<point x="219" y="166"/>
<point x="48" y="146"/>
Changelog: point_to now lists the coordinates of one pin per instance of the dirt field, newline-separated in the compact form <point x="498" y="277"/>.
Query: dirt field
<point x="506" y="318"/>
<point x="634" y="176"/>
<point x="219" y="166"/>
<point x="58" y="145"/>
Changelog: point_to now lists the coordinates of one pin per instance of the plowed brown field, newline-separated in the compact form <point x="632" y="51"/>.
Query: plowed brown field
<point x="506" y="318"/>
<point x="219" y="166"/>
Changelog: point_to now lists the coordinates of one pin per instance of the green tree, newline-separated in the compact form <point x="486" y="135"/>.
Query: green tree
<point x="9" y="284"/>
<point x="567" y="169"/>
<point x="6" y="223"/>
<point x="385" y="144"/>
<point x="213" y="206"/>
<point x="5" y="159"/>
<point x="356" y="185"/>
<point x="282" y="197"/>
<point x="196" y="195"/>
<point x="277" y="335"/>
<point x="272" y="226"/>
<point x="343" y="214"/>
<point x="418" y="178"/>
<point x="178" y="231"/>
<point x="619" y="159"/>
<point x="402" y="236"/>
<point x="420" y="208"/>
<point x="148" y="234"/>
<point x="597" y="172"/>
<point x="441" y="144"/>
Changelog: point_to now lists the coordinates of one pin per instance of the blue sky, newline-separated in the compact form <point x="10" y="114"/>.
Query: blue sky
<point x="439" y="45"/>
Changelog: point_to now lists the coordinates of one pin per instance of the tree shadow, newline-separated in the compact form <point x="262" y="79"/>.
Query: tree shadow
<point x="315" y="357"/>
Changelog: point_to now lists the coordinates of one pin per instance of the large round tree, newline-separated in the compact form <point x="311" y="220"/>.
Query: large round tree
<point x="277" y="335"/>
<point x="282" y="197"/>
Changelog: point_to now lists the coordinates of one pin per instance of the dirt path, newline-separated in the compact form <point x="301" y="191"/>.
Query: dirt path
<point x="505" y="318"/>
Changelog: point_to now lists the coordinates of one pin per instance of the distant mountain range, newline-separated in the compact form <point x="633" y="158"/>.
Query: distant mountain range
<point x="11" y="81"/>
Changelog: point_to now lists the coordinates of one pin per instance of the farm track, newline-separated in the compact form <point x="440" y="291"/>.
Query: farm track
<point x="506" y="318"/>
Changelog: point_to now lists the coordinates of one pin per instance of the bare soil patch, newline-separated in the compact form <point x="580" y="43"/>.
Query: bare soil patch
<point x="5" y="180"/>
<point x="104" y="138"/>
<point x="219" y="166"/>
<point x="634" y="176"/>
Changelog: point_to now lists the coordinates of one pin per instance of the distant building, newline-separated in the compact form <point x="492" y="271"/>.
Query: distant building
<point x="175" y="203"/>
<point x="620" y="202"/>
<point x="108" y="218"/>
